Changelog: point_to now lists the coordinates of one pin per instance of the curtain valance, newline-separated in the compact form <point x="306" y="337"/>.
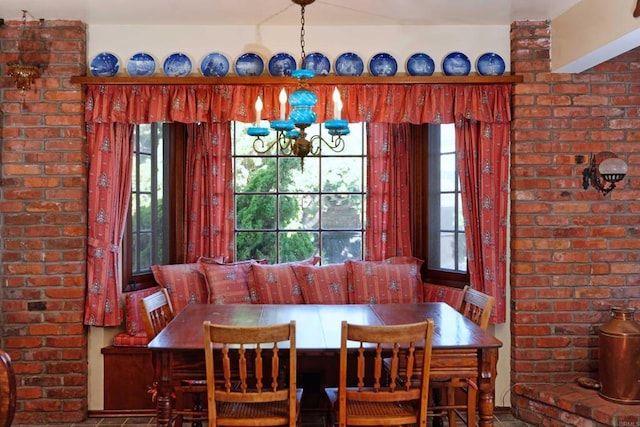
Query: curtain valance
<point x="379" y="103"/>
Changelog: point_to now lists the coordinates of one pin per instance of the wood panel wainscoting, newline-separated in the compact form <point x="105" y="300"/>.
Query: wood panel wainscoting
<point x="128" y="376"/>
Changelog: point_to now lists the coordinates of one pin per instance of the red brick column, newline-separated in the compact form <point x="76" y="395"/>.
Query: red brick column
<point x="43" y="223"/>
<point x="574" y="252"/>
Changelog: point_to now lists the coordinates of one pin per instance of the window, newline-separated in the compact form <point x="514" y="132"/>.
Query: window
<point x="286" y="211"/>
<point x="447" y="249"/>
<point x="151" y="229"/>
<point x="147" y="195"/>
<point x="437" y="215"/>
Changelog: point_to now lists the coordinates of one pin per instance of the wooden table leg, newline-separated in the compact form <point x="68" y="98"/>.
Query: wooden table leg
<point x="163" y="377"/>
<point x="487" y="361"/>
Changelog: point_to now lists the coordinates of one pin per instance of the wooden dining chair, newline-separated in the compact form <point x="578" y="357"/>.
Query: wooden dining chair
<point x="477" y="307"/>
<point x="258" y="366"/>
<point x="7" y="390"/>
<point x="364" y="397"/>
<point x="157" y="312"/>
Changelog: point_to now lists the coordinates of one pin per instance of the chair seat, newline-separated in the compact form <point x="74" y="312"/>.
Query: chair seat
<point x="367" y="413"/>
<point x="254" y="414"/>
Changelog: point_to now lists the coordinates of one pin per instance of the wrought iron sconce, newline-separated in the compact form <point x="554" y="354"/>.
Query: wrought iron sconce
<point x="604" y="171"/>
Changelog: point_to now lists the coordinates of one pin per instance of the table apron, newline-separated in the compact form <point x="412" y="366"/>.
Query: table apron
<point x="461" y="363"/>
<point x="445" y="363"/>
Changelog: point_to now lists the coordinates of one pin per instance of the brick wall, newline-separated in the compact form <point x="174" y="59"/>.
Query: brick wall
<point x="43" y="223"/>
<point x="574" y="252"/>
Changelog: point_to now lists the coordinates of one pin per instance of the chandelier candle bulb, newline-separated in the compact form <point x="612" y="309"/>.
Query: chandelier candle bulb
<point x="258" y="111"/>
<point x="283" y="104"/>
<point x="337" y="104"/>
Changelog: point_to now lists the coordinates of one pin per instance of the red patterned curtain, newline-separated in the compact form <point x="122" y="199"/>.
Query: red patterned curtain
<point x="110" y="151"/>
<point x="209" y="204"/>
<point x="486" y="107"/>
<point x="483" y="159"/>
<point x="388" y="166"/>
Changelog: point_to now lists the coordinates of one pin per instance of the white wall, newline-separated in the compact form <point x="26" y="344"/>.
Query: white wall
<point x="197" y="41"/>
<point x="98" y="338"/>
<point x="592" y="32"/>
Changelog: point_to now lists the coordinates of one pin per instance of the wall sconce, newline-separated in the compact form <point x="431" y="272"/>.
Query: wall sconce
<point x="23" y="73"/>
<point x="604" y="171"/>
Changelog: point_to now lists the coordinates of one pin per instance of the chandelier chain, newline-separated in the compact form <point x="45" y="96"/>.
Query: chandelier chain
<point x="302" y="53"/>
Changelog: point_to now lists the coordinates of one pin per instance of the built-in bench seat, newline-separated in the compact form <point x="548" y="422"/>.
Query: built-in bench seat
<point x="395" y="280"/>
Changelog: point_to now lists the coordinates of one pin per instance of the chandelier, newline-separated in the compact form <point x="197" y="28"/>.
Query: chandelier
<point x="290" y="132"/>
<point x="23" y="74"/>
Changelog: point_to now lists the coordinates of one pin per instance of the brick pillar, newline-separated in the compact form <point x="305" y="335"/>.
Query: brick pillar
<point x="574" y="252"/>
<point x="43" y="223"/>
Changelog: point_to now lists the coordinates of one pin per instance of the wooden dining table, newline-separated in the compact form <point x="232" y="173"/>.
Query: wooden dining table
<point x="460" y="347"/>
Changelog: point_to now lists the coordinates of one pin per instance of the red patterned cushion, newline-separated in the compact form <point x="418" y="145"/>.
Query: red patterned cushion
<point x="394" y="280"/>
<point x="441" y="293"/>
<point x="126" y="340"/>
<point x="132" y="313"/>
<point x="227" y="283"/>
<point x="277" y="283"/>
<point x="322" y="284"/>
<point x="185" y="283"/>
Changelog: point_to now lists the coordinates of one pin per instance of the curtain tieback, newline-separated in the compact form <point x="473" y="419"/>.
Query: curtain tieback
<point x="102" y="246"/>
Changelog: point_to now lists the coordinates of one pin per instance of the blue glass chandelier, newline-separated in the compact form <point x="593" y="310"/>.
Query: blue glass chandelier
<point x="290" y="132"/>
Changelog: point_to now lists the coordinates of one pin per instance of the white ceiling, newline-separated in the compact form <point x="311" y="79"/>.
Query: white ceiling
<point x="284" y="12"/>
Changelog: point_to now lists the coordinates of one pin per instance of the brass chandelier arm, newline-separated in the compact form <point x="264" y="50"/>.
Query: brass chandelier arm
<point x="336" y="143"/>
<point x="298" y="146"/>
<point x="261" y="146"/>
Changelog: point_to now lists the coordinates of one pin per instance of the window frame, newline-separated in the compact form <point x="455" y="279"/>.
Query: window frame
<point x="174" y="155"/>
<point x="177" y="136"/>
<point x="320" y="230"/>
<point x="423" y="178"/>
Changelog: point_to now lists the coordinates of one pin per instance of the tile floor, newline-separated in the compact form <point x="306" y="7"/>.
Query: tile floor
<point x="501" y="420"/>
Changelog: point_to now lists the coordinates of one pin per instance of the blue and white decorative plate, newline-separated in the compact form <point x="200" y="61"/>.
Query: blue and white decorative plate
<point x="177" y="65"/>
<point x="214" y="65"/>
<point x="383" y="64"/>
<point x="490" y="64"/>
<point x="349" y="64"/>
<point x="249" y="64"/>
<point x="141" y="64"/>
<point x="104" y="64"/>
<point x="317" y="62"/>
<point x="420" y="64"/>
<point x="456" y="64"/>
<point x="281" y="64"/>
